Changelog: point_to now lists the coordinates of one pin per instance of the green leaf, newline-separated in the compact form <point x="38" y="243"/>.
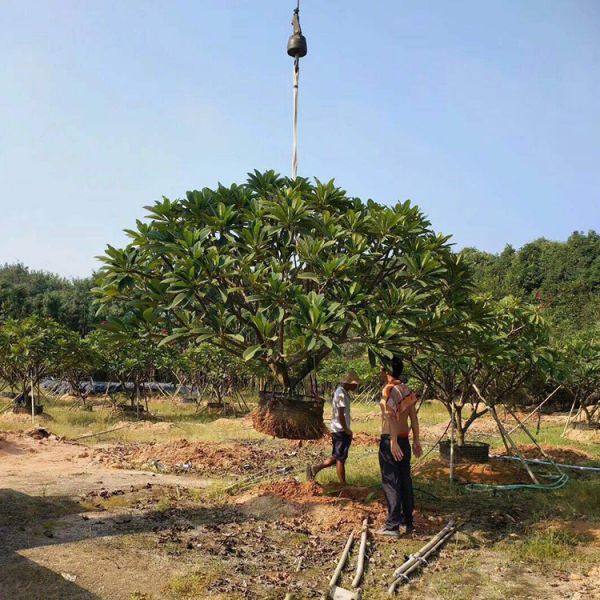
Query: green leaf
<point x="251" y="352"/>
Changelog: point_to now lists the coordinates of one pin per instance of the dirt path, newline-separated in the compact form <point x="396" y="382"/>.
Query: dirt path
<point x="55" y="547"/>
<point x="72" y="527"/>
<point x="50" y="467"/>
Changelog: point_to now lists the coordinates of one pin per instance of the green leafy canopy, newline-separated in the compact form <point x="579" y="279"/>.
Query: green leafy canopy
<point x="285" y="272"/>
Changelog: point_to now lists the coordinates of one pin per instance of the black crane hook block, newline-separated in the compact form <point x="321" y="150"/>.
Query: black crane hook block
<point x="296" y="46"/>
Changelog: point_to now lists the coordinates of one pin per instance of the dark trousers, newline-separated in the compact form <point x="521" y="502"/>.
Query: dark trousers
<point x="397" y="483"/>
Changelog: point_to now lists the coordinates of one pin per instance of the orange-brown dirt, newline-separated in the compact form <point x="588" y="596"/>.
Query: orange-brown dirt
<point x="200" y="457"/>
<point x="334" y="508"/>
<point x="494" y="472"/>
<point x="563" y="455"/>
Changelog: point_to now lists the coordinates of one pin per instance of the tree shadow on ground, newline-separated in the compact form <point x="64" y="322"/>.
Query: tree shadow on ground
<point x="23" y="579"/>
<point x="36" y="521"/>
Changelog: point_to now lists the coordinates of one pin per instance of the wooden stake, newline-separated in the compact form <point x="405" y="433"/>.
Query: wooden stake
<point x="342" y="561"/>
<point x="505" y="434"/>
<point x="569" y="418"/>
<point x="528" y="433"/>
<point x="452" y="441"/>
<point x="360" y="565"/>
<point x="89" y="435"/>
<point x="536" y="409"/>
<point x="32" y="400"/>
<point x="414" y="560"/>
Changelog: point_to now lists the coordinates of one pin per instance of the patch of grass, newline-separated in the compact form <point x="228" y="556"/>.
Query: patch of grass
<point x="547" y="548"/>
<point x="193" y="585"/>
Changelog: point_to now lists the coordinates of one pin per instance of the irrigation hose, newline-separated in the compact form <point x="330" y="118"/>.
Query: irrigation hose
<point x="558" y="483"/>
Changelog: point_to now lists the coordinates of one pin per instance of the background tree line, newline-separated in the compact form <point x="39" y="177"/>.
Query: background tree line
<point x="562" y="276"/>
<point x="539" y="327"/>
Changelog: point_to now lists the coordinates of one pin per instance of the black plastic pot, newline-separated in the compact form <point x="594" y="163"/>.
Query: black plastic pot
<point x="476" y="452"/>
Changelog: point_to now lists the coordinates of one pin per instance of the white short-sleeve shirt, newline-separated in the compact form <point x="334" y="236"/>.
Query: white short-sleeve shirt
<point x="341" y="399"/>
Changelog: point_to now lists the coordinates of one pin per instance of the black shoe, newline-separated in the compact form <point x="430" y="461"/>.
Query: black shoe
<point x="410" y="528"/>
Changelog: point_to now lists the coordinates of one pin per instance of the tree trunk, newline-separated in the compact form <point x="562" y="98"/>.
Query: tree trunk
<point x="460" y="432"/>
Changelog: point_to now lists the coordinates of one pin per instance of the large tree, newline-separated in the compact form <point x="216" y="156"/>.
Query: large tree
<point x="505" y="344"/>
<point x="285" y="272"/>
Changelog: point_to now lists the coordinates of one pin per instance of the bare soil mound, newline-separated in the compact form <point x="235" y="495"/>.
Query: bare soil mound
<point x="320" y="512"/>
<point x="572" y="456"/>
<point x="185" y="456"/>
<point x="290" y="489"/>
<point x="325" y="509"/>
<point x="494" y="472"/>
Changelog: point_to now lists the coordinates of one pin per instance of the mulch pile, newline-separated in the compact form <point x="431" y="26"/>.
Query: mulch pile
<point x="185" y="456"/>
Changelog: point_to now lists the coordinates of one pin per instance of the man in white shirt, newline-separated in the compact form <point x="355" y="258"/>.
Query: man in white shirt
<point x="341" y="434"/>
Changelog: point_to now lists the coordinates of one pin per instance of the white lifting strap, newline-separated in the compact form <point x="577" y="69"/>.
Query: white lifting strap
<point x="295" y="127"/>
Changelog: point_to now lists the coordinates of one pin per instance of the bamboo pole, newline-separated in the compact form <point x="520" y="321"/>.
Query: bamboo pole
<point x="422" y="560"/>
<point x="536" y="409"/>
<point x="414" y="558"/>
<point x="569" y="418"/>
<point x="452" y="440"/>
<point x="528" y="433"/>
<point x="536" y="461"/>
<point x="342" y="561"/>
<point x="505" y="434"/>
<point x="137" y="400"/>
<point x="413" y="561"/>
<point x="89" y="435"/>
<point x="360" y="565"/>
<point x="514" y="446"/>
<point x="32" y="400"/>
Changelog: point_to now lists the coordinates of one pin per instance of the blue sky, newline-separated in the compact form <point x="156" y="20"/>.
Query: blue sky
<point x="486" y="114"/>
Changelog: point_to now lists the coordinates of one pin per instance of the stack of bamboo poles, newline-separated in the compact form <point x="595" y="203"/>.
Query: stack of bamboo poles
<point x="414" y="561"/>
<point x="338" y="593"/>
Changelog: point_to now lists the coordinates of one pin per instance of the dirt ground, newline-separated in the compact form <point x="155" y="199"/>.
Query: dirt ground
<point x="185" y="456"/>
<point x="171" y="519"/>
<point x="50" y="467"/>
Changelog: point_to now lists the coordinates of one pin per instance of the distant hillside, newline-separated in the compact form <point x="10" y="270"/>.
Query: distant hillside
<point x="563" y="276"/>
